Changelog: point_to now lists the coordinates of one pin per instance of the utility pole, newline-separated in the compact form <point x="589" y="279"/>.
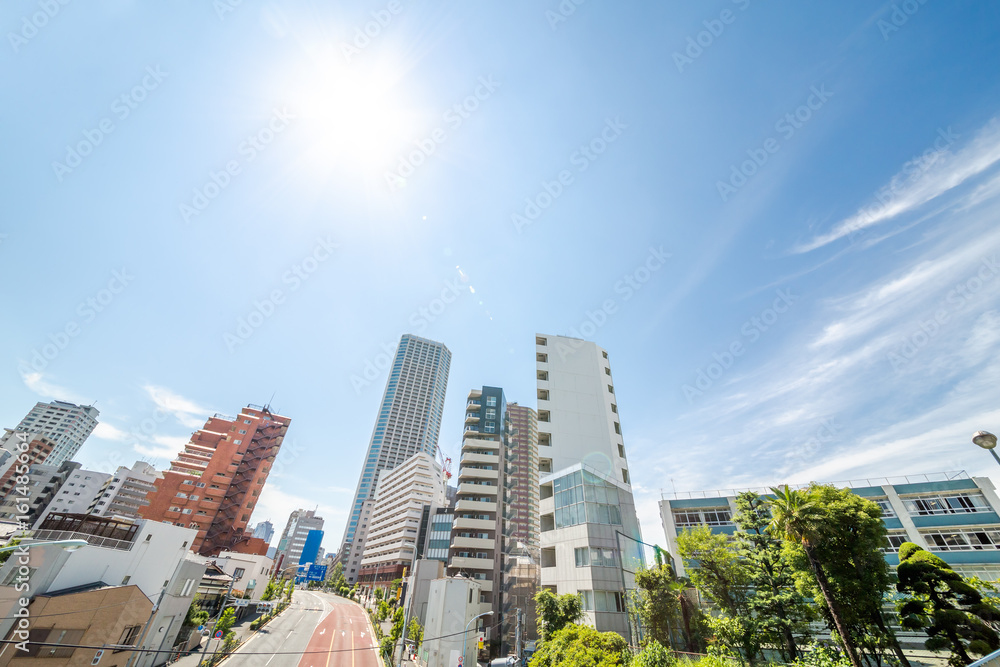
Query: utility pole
<point x="225" y="601"/>
<point x="517" y="635"/>
<point x="135" y="658"/>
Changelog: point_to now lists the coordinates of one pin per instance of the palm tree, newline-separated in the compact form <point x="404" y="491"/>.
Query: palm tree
<point x="795" y="517"/>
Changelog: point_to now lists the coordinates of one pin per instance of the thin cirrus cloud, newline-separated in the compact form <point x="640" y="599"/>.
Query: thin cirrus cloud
<point x="922" y="180"/>
<point x="186" y="411"/>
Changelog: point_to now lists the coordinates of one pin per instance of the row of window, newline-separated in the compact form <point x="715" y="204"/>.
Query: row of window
<point x="595" y="557"/>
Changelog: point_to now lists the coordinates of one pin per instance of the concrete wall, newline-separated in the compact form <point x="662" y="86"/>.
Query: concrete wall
<point x="452" y="603"/>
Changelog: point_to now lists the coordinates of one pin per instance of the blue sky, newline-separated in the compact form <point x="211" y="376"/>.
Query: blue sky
<point x="209" y="204"/>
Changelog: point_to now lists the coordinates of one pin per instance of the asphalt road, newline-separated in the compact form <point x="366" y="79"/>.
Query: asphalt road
<point x="317" y="630"/>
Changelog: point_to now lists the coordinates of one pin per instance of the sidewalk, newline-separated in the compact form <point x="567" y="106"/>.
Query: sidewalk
<point x="242" y="630"/>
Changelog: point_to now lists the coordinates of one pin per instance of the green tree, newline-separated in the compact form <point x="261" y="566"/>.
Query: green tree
<point x="796" y="517"/>
<point x="939" y="601"/>
<point x="721" y="575"/>
<point x="225" y="622"/>
<point x="379" y="593"/>
<point x="6" y="554"/>
<point x="663" y="604"/>
<point x="582" y="646"/>
<point x="271" y="591"/>
<point x="654" y="654"/>
<point x="780" y="610"/>
<point x="195" y="614"/>
<point x="556" y="612"/>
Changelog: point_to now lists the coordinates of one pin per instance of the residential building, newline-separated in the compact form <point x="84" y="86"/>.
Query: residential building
<point x="43" y="482"/>
<point x="20" y="448"/>
<point x="408" y="423"/>
<point x="77" y="493"/>
<point x="477" y="535"/>
<point x="311" y="547"/>
<point x="585" y="499"/>
<point x="437" y="545"/>
<point x="149" y="556"/>
<point x="127" y="491"/>
<point x="264" y="530"/>
<point x="452" y="604"/>
<point x="214" y="483"/>
<point x="523" y="475"/>
<point x="405" y="495"/>
<point x="250" y="572"/>
<point x="293" y="538"/>
<point x="952" y="515"/>
<point x="68" y="425"/>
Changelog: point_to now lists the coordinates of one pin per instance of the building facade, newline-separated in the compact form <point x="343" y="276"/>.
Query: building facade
<point x="214" y="483"/>
<point x="523" y="475"/>
<point x="42" y="484"/>
<point x="68" y="425"/>
<point x="293" y="538"/>
<point x="77" y="493"/>
<point x="404" y="495"/>
<point x="585" y="503"/>
<point x="311" y="547"/>
<point x="952" y="515"/>
<point x="408" y="423"/>
<point x="127" y="491"/>
<point x="20" y="448"/>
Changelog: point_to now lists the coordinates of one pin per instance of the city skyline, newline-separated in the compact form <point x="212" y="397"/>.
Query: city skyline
<point x="781" y="226"/>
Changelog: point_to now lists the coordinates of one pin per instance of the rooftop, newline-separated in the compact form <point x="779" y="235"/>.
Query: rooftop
<point x="851" y="484"/>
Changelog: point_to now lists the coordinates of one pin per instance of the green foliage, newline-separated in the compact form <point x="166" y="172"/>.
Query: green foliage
<point x="821" y="656"/>
<point x="6" y="554"/>
<point x="833" y="540"/>
<point x="654" y="654"/>
<point x="289" y="589"/>
<point x="582" y="646"/>
<point x="667" y="611"/>
<point x="715" y="568"/>
<point x="382" y="611"/>
<point x="415" y="632"/>
<point x="379" y="593"/>
<point x="779" y="609"/>
<point x="939" y="601"/>
<point x="271" y="591"/>
<point x="385" y="648"/>
<point x="195" y="614"/>
<point x="556" y="612"/>
<point x="225" y="622"/>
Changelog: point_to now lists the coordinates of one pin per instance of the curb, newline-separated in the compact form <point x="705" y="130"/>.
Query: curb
<point x="248" y="638"/>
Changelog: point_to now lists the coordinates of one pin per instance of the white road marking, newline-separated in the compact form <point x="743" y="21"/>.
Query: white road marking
<point x="323" y="631"/>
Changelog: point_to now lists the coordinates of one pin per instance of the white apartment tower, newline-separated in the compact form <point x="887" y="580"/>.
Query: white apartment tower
<point x="126" y="491"/>
<point x="584" y="486"/>
<point x="68" y="424"/>
<point x="399" y="504"/>
<point x="408" y="423"/>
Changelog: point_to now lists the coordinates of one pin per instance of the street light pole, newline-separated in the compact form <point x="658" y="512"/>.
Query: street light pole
<point x="219" y="616"/>
<point x="465" y="635"/>
<point x="986" y="440"/>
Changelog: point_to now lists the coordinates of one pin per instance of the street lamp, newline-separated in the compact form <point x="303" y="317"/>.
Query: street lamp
<point x="986" y="440"/>
<point x="465" y="635"/>
<point x="68" y="545"/>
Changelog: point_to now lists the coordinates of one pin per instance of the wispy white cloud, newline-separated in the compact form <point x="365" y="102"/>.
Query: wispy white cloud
<point x="39" y="384"/>
<point x="186" y="411"/>
<point x="106" y="431"/>
<point x="275" y="504"/>
<point x="921" y="180"/>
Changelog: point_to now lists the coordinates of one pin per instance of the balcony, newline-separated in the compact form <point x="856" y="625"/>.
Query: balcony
<point x="462" y="523"/>
<point x="475" y="506"/>
<point x="477" y="489"/>
<point x="471" y="563"/>
<point x="477" y="473"/>
<point x="472" y="418"/>
<point x="479" y="543"/>
<point x="473" y="405"/>
<point x="480" y="458"/>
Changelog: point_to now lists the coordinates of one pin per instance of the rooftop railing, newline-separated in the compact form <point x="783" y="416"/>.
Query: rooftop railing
<point x="852" y="484"/>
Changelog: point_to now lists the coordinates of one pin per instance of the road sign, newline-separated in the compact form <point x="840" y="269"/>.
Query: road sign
<point x="461" y="659"/>
<point x="218" y="634"/>
<point x="200" y="628"/>
<point x="97" y="657"/>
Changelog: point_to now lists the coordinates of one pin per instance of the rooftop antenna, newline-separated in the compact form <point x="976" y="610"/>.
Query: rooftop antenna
<point x="270" y="400"/>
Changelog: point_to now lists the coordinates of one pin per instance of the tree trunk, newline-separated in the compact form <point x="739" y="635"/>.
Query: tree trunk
<point x="832" y="606"/>
<point x="896" y="648"/>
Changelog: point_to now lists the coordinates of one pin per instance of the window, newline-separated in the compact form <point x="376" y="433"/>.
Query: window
<point x="541" y="358"/>
<point x="490" y="428"/>
<point x="491" y="413"/>
<point x="239" y="572"/>
<point x="963" y="540"/>
<point x="125" y="581"/>
<point x="618" y="428"/>
<point x="543" y="415"/>
<point x="543" y="375"/>
<point x="946" y="504"/>
<point x="607" y="371"/>
<point x="243" y="431"/>
<point x="887" y="510"/>
<point x="543" y="394"/>
<point x="894" y="540"/>
<point x="706" y="517"/>
<point x="621" y="450"/>
<point x="611" y="389"/>
<point x="129" y="636"/>
<point x="491" y="401"/>
<point x="541" y="341"/>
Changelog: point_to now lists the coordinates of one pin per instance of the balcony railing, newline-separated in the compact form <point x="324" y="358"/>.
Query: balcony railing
<point x="93" y="540"/>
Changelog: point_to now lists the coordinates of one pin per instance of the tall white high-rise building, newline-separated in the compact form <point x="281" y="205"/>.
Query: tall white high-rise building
<point x="393" y="533"/>
<point x="264" y="530"/>
<point x="68" y="424"/>
<point x="587" y="512"/>
<point x="408" y="423"/>
<point x="126" y="491"/>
